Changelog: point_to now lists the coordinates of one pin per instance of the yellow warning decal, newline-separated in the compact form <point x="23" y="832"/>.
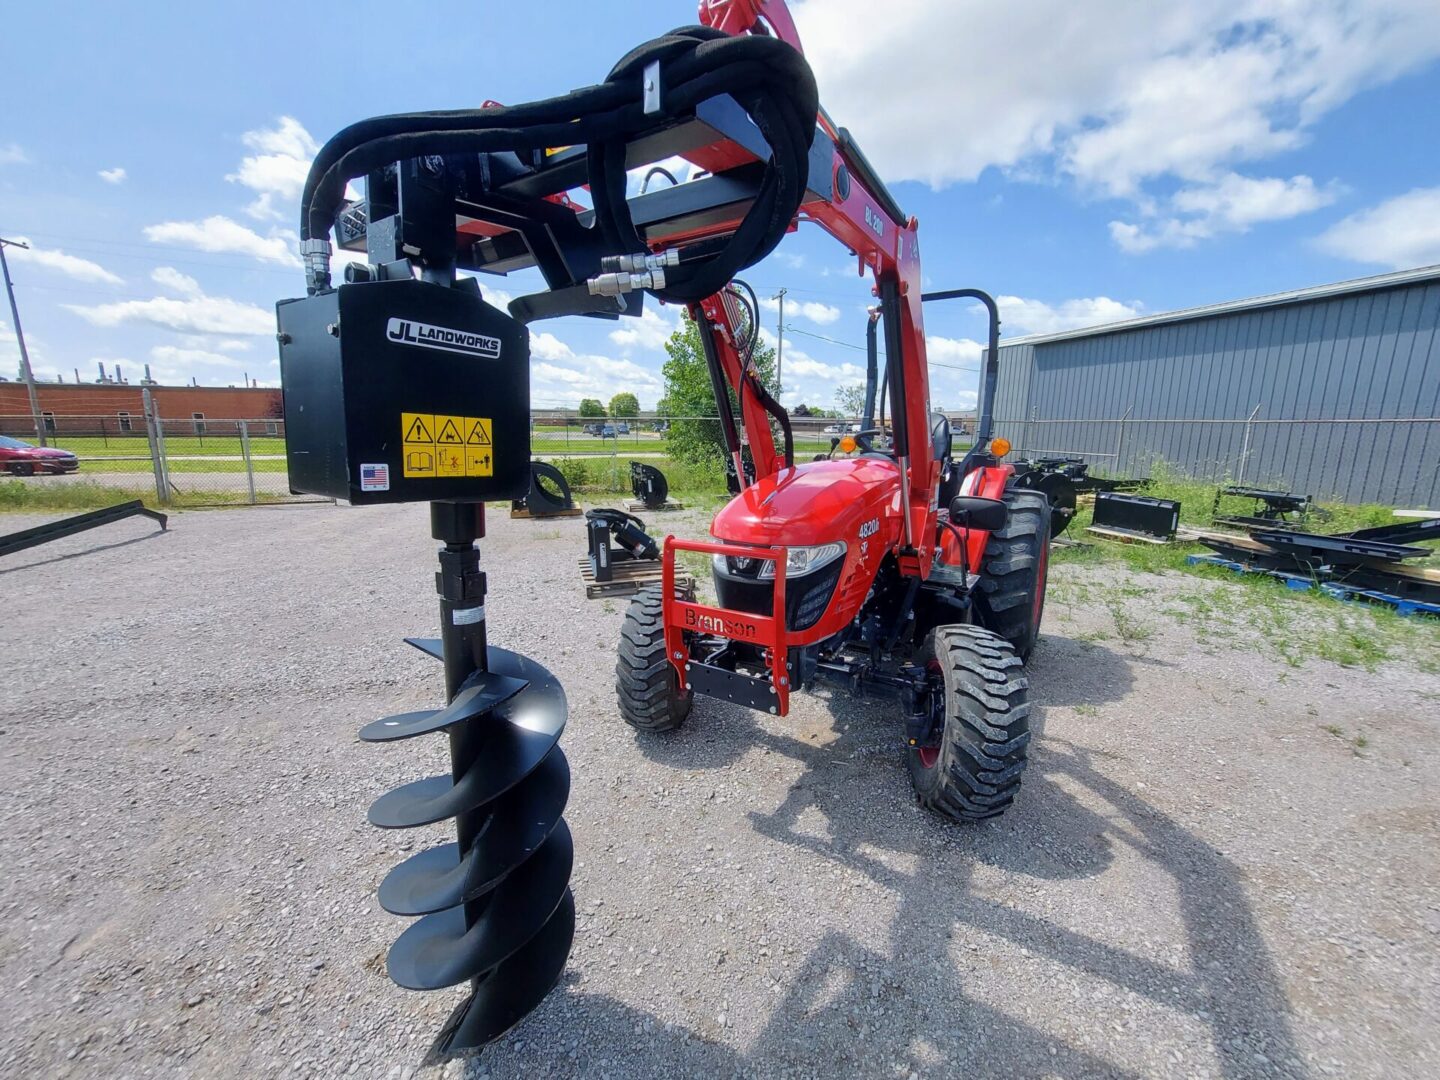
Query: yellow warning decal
<point x="446" y="446"/>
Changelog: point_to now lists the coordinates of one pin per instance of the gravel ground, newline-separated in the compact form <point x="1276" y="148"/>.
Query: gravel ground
<point x="1198" y="878"/>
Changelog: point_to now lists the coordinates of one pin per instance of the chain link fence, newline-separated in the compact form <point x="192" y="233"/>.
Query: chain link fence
<point x="172" y="461"/>
<point x="201" y="461"/>
<point x="1395" y="462"/>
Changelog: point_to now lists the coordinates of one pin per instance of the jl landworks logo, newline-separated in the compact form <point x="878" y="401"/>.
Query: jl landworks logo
<point x="425" y="336"/>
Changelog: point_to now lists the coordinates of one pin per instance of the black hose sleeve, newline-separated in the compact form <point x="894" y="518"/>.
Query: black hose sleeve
<point x="769" y="79"/>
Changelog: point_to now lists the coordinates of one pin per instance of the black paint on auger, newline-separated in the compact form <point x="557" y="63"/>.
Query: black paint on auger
<point x="495" y="906"/>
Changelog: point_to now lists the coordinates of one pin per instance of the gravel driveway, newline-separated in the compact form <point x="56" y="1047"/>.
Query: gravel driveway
<point x="1199" y="879"/>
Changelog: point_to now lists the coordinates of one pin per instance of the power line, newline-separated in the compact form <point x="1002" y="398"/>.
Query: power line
<point x="861" y="348"/>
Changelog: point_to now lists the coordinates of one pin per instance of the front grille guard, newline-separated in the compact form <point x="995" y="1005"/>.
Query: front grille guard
<point x="767" y="631"/>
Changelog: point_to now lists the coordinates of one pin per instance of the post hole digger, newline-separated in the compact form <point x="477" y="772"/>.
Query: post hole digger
<point x="898" y="569"/>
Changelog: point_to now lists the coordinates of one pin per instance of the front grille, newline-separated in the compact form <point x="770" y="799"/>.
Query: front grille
<point x="806" y="598"/>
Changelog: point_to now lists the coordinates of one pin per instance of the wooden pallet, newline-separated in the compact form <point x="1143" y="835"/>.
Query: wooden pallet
<point x="574" y="511"/>
<point x="631" y="575"/>
<point x="1123" y="536"/>
<point x="635" y="506"/>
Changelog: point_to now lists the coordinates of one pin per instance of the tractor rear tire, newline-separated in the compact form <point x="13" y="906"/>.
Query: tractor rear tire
<point x="1011" y="594"/>
<point x="645" y="683"/>
<point x="974" y="771"/>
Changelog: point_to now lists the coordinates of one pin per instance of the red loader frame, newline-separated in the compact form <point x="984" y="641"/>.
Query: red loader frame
<point x="860" y="214"/>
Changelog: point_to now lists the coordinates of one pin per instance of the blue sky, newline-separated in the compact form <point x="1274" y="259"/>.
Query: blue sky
<point x="1084" y="162"/>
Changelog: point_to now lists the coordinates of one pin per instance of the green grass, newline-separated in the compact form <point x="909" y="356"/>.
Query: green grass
<point x="1225" y="607"/>
<point x="137" y="445"/>
<point x="20" y="497"/>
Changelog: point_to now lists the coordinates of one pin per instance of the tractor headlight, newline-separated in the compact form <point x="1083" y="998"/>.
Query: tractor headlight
<point x="799" y="561"/>
<point x="804" y="560"/>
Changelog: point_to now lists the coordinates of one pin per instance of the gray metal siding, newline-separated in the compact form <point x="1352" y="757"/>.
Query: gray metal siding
<point x="1190" y="386"/>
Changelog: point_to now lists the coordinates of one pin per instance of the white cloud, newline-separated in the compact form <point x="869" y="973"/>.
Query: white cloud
<point x="171" y="357"/>
<point x="277" y="168"/>
<point x="112" y="176"/>
<point x="192" y="315"/>
<point x="546" y="346"/>
<point x="1114" y="93"/>
<point x="1230" y="204"/>
<point x="1021" y="316"/>
<point x="167" y="277"/>
<point x="178" y="365"/>
<point x="815" y="312"/>
<point x="219" y="234"/>
<point x="70" y="265"/>
<point x="650" y="331"/>
<point x="1399" y="233"/>
<point x="583" y="376"/>
<point x="955" y="351"/>
<point x="13" y="154"/>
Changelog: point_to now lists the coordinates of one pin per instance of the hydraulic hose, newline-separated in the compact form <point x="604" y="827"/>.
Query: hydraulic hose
<point x="767" y="77"/>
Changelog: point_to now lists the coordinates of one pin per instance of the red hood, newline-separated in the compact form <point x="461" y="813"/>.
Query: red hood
<point x="811" y="503"/>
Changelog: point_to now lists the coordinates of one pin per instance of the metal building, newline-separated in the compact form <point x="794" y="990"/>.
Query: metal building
<point x="1332" y="391"/>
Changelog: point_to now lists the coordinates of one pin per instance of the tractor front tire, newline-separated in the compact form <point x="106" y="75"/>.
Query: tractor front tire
<point x="972" y="770"/>
<point x="1011" y="594"/>
<point x="645" y="684"/>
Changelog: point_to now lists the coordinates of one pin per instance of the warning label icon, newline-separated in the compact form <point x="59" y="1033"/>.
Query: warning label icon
<point x="449" y="434"/>
<point x="446" y="446"/>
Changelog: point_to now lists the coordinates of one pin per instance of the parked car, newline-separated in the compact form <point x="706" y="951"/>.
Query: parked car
<point x="832" y="429"/>
<point x="607" y="431"/>
<point x="591" y="429"/>
<point x="21" y="458"/>
<point x="623" y="428"/>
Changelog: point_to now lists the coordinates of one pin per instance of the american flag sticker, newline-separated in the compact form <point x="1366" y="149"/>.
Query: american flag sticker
<point x="374" y="477"/>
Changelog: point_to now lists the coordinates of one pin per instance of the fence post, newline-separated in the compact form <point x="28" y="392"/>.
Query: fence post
<point x="245" y="453"/>
<point x="1245" y="446"/>
<point x="157" y="456"/>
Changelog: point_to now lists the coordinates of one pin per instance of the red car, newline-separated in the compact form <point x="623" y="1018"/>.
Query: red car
<point x="26" y="459"/>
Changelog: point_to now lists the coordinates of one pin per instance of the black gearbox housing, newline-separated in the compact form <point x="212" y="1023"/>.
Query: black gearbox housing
<point x="361" y="364"/>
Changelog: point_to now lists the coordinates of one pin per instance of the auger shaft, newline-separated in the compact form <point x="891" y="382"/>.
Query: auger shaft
<point x="461" y="585"/>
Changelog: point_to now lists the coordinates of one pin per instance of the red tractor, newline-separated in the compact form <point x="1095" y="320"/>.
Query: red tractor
<point x="896" y="569"/>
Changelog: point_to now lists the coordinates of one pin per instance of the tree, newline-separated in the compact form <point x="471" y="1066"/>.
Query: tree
<point x="688" y="393"/>
<point x="625" y="405"/>
<point x="851" y="399"/>
<point x="800" y="410"/>
<point x="591" y="408"/>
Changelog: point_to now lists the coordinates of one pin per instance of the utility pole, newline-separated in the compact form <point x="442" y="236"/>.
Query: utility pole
<point x="780" y="344"/>
<point x="25" y="372"/>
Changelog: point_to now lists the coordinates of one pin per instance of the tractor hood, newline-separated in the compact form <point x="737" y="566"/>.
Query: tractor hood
<point x="812" y="503"/>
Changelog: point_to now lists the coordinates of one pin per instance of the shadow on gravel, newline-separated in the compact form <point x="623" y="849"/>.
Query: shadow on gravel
<point x="92" y="550"/>
<point x="938" y="937"/>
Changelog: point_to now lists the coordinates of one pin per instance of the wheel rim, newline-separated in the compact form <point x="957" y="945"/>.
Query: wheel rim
<point x="1041" y="573"/>
<point x="930" y="755"/>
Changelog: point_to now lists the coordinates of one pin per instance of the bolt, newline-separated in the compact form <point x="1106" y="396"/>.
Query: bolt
<point x="333" y="329"/>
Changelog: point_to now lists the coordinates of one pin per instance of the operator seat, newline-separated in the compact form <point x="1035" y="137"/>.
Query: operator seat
<point x="940" y="436"/>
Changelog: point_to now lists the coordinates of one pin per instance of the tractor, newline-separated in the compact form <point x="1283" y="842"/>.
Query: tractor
<point x="888" y="566"/>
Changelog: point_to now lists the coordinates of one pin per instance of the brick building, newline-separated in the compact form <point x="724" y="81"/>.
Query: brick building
<point x="93" y="409"/>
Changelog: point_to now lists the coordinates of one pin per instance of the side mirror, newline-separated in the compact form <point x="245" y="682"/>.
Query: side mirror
<point x="987" y="515"/>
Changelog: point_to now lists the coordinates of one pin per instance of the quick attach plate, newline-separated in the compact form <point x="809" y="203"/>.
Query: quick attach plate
<point x="716" y="682"/>
<point x="404" y="391"/>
